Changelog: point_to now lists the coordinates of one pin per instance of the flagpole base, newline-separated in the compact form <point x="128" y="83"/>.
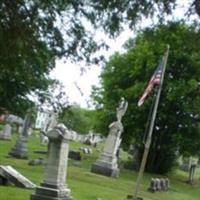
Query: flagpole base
<point x="130" y="197"/>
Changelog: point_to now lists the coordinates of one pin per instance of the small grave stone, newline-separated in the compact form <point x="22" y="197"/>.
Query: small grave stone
<point x="6" y="133"/>
<point x="75" y="155"/>
<point x="13" y="176"/>
<point x="85" y="150"/>
<point x="40" y="152"/>
<point x="158" y="185"/>
<point x="39" y="161"/>
<point x="167" y="183"/>
<point x="152" y="187"/>
<point x="162" y="184"/>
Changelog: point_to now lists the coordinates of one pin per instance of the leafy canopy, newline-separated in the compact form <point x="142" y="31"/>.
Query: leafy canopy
<point x="177" y="124"/>
<point x="77" y="119"/>
<point x="33" y="33"/>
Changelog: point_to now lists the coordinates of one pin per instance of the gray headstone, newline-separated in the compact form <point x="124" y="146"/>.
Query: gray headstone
<point x="6" y="133"/>
<point x="54" y="184"/>
<point x="158" y="185"/>
<point x="153" y="186"/>
<point x="75" y="155"/>
<point x="39" y="161"/>
<point x="163" y="184"/>
<point x="13" y="176"/>
<point x="14" y="119"/>
<point x="20" y="149"/>
<point x="167" y="183"/>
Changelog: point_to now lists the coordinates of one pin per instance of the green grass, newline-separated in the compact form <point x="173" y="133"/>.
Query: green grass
<point x="85" y="185"/>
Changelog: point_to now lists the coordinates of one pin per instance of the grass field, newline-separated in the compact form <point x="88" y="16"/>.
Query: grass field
<point x="85" y="185"/>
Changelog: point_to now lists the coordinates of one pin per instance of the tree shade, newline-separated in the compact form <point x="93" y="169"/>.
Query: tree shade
<point x="177" y="124"/>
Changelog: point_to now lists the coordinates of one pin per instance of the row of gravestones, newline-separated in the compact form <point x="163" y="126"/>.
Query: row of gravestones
<point x="54" y="183"/>
<point x="159" y="184"/>
<point x="54" y="186"/>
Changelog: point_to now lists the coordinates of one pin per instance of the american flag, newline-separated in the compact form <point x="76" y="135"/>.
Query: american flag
<point x="154" y="81"/>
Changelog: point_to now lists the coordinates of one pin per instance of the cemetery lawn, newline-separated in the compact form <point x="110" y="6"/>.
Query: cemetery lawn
<point x="85" y="185"/>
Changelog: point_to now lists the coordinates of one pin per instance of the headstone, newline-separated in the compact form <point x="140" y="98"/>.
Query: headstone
<point x="158" y="185"/>
<point x="43" y="139"/>
<point x="39" y="161"/>
<point x="152" y="187"/>
<point x="85" y="150"/>
<point x="20" y="148"/>
<point x="6" y="133"/>
<point x="167" y="183"/>
<point x="75" y="155"/>
<point x="20" y="129"/>
<point x="163" y="184"/>
<point x="107" y="163"/>
<point x="14" y="119"/>
<point x="10" y="174"/>
<point x="54" y="184"/>
<point x="193" y="162"/>
<point x="40" y="152"/>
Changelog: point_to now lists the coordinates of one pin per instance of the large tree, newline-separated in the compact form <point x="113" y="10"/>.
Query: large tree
<point x="33" y="33"/>
<point x="77" y="118"/>
<point x="177" y="123"/>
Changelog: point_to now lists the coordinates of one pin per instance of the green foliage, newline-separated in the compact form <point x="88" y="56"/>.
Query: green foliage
<point x="77" y="118"/>
<point x="177" y="129"/>
<point x="34" y="33"/>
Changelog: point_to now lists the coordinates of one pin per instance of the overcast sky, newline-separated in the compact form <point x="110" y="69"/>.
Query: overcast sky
<point x="78" y="86"/>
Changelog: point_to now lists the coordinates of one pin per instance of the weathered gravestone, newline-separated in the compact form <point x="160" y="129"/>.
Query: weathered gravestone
<point x="163" y="184"/>
<point x="14" y="119"/>
<point x="54" y="184"/>
<point x="75" y="155"/>
<point x="159" y="184"/>
<point x="10" y="175"/>
<point x="39" y="161"/>
<point x="152" y="187"/>
<point x="167" y="183"/>
<point x="6" y="133"/>
<point x="107" y="163"/>
<point x="20" y="148"/>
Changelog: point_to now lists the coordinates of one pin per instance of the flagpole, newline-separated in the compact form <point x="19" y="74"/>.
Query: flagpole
<point x="148" y="141"/>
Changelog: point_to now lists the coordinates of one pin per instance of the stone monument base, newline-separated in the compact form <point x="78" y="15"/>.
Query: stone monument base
<point x="20" y="149"/>
<point x="45" y="192"/>
<point x="104" y="168"/>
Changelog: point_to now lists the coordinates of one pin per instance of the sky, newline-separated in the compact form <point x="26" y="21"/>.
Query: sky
<point x="78" y="85"/>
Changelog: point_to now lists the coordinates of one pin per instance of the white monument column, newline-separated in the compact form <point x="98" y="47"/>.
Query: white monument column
<point x="54" y="184"/>
<point x="107" y="163"/>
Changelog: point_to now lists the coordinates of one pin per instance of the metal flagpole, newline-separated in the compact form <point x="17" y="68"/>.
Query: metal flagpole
<point x="148" y="141"/>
